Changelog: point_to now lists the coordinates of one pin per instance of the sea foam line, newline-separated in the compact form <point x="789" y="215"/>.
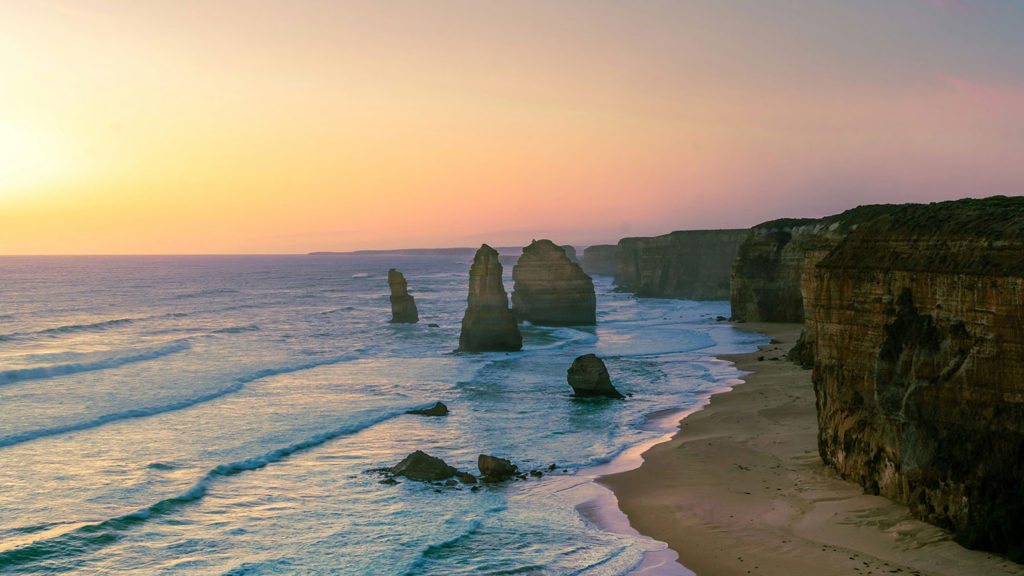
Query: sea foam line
<point x="91" y="537"/>
<point x="237" y="385"/>
<point x="40" y="372"/>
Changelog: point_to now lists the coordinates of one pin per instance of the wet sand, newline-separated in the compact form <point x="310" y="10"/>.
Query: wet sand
<point x="740" y="489"/>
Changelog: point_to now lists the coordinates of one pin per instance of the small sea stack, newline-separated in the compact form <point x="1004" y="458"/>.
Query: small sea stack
<point x="495" y="469"/>
<point x="403" y="307"/>
<point x="550" y="289"/>
<point x="588" y="377"/>
<point x="488" y="325"/>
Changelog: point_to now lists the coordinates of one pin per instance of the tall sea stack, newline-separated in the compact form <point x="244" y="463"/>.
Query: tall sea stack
<point x="550" y="289"/>
<point x="918" y="323"/>
<point x="488" y="325"/>
<point x="403" y="307"/>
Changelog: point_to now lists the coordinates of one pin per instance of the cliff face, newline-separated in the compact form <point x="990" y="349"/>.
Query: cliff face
<point x="488" y="324"/>
<point x="550" y="290"/>
<point x="403" y="307"/>
<point x="599" y="259"/>
<point x="768" y="271"/>
<point x="690" y="264"/>
<point x="918" y="323"/>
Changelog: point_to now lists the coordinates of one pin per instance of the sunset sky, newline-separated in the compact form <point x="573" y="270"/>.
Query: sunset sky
<point x="258" y="126"/>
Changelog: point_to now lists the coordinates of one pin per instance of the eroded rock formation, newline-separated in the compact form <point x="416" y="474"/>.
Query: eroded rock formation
<point x="767" y="273"/>
<point x="918" y="326"/>
<point x="488" y="325"/>
<point x="403" y="307"/>
<point x="550" y="290"/>
<point x="588" y="376"/>
<point x="690" y="264"/>
<point x="599" y="259"/>
<point x="570" y="253"/>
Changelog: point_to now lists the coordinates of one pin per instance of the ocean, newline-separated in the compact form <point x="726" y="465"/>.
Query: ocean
<point x="220" y="415"/>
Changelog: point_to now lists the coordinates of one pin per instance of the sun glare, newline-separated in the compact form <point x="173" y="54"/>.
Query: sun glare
<point x="28" y="158"/>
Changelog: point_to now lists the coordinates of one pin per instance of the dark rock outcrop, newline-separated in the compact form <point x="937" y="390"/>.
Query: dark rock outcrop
<point x="403" y="307"/>
<point x="494" y="469"/>
<point x="422" y="467"/>
<point x="767" y="274"/>
<point x="550" y="290"/>
<point x="438" y="409"/>
<point x="488" y="325"/>
<point x="918" y="326"/>
<point x="599" y="259"/>
<point x="690" y="264"/>
<point x="588" y="376"/>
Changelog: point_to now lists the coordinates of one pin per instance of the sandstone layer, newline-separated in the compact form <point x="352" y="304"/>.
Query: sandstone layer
<point x="918" y="326"/>
<point x="488" y="325"/>
<point x="403" y="307"/>
<point x="551" y="290"/>
<point x="690" y="264"/>
<point x="767" y="274"/>
<point x="599" y="259"/>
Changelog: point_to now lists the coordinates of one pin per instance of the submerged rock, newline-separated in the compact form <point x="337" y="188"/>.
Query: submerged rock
<point x="423" y="467"/>
<point x="550" y="289"/>
<point x="403" y="307"/>
<point x="588" y="376"/>
<point x="438" y="409"/>
<point x="495" y="469"/>
<point x="488" y="325"/>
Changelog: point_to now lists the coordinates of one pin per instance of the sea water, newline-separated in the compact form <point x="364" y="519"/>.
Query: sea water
<point x="220" y="414"/>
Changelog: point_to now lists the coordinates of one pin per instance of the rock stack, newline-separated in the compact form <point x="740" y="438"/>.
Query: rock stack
<point x="588" y="376"/>
<point x="488" y="325"/>
<point x="403" y="307"/>
<point x="551" y="290"/>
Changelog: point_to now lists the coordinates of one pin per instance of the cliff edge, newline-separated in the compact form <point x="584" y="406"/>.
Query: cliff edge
<point x="688" y="264"/>
<point x="917" y="319"/>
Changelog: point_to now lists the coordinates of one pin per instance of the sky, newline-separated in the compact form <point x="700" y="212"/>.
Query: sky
<point x="259" y="126"/>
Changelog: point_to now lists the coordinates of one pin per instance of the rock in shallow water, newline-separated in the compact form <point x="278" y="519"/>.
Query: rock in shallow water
<point x="438" y="409"/>
<point x="403" y="307"/>
<point x="588" y="376"/>
<point x="488" y="325"/>
<point x="423" y="467"/>
<point x="495" y="469"/>
<point x="551" y="290"/>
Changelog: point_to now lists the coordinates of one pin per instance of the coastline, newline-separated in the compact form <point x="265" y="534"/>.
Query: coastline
<point x="740" y="489"/>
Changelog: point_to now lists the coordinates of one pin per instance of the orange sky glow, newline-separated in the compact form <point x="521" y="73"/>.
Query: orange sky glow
<point x="285" y="127"/>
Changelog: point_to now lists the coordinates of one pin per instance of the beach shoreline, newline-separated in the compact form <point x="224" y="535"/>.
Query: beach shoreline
<point x="740" y="489"/>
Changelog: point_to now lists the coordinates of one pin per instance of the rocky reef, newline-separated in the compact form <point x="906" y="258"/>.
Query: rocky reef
<point x="403" y="307"/>
<point x="551" y="290"/>
<point x="767" y="274"/>
<point x="690" y="264"/>
<point x="917" y="320"/>
<point x="488" y="325"/>
<point x="599" y="259"/>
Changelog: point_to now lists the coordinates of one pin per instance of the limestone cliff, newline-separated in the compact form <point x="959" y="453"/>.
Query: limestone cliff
<point x="488" y="324"/>
<point x="570" y="252"/>
<point x="599" y="259"/>
<point x="403" y="307"/>
<point x="918" y="324"/>
<point x="550" y="290"/>
<point x="768" y="270"/>
<point x="690" y="264"/>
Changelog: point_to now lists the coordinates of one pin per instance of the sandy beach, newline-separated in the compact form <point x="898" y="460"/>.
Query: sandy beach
<point x="740" y="489"/>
